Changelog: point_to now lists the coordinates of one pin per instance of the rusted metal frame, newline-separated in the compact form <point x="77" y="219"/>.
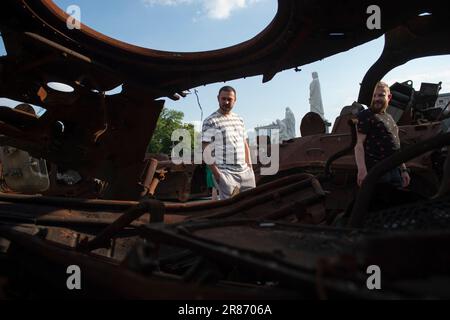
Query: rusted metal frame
<point x="99" y="271"/>
<point x="70" y="203"/>
<point x="222" y="252"/>
<point x="260" y="199"/>
<point x="256" y="52"/>
<point x="315" y="166"/>
<point x="69" y="52"/>
<point x="415" y="254"/>
<point x="148" y="178"/>
<point x="190" y="226"/>
<point x="104" y="110"/>
<point x="189" y="230"/>
<point x="17" y="117"/>
<point x="131" y="54"/>
<point x="12" y="131"/>
<point x="214" y="205"/>
<point x="444" y="189"/>
<point x="442" y="112"/>
<point x="154" y="184"/>
<point x="293" y="207"/>
<point x="298" y="205"/>
<point x="287" y="35"/>
<point x="416" y="42"/>
<point x="292" y="276"/>
<point x="124" y="205"/>
<point x="37" y="63"/>
<point x="352" y="123"/>
<point x="59" y="47"/>
<point x="102" y="240"/>
<point x="360" y="209"/>
<point x="53" y="220"/>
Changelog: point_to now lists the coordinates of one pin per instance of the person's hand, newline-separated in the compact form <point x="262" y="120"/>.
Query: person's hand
<point x="406" y="179"/>
<point x="362" y="174"/>
<point x="217" y="177"/>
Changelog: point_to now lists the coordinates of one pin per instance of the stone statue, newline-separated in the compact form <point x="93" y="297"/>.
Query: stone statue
<point x="290" y="123"/>
<point x="283" y="130"/>
<point x="315" y="96"/>
<point x="286" y="127"/>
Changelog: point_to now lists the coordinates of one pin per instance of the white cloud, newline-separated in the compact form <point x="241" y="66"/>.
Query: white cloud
<point x="165" y="2"/>
<point x="214" y="9"/>
<point x="221" y="9"/>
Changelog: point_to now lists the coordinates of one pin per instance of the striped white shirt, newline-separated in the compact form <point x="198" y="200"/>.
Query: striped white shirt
<point x="227" y="132"/>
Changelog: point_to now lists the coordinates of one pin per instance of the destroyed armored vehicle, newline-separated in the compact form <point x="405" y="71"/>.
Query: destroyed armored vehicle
<point x="306" y="234"/>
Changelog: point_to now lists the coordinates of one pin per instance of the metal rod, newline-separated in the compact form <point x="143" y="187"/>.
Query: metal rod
<point x="213" y="205"/>
<point x="150" y="172"/>
<point x="102" y="240"/>
<point x="72" y="203"/>
<point x="258" y="200"/>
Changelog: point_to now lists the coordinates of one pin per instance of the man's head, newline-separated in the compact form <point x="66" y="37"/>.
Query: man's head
<point x="227" y="99"/>
<point x="381" y="98"/>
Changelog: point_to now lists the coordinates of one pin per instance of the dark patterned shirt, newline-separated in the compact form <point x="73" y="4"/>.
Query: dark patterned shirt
<point x="382" y="138"/>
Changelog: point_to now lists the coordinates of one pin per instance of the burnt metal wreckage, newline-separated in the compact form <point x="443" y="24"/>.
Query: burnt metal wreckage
<point x="306" y="233"/>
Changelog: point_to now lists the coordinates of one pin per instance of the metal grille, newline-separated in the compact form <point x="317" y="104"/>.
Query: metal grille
<point x="429" y="215"/>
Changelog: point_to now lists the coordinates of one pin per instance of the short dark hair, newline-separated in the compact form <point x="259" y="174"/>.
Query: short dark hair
<point x="227" y="89"/>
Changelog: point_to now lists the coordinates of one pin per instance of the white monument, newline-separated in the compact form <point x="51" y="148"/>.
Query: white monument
<point x="315" y="96"/>
<point x="286" y="127"/>
<point x="290" y="123"/>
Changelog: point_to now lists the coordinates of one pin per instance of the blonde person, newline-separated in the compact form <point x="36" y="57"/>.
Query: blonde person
<point x="378" y="138"/>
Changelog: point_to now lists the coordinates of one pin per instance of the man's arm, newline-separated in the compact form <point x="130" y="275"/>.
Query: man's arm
<point x="360" y="158"/>
<point x="215" y="171"/>
<point x="248" y="157"/>
<point x="406" y="179"/>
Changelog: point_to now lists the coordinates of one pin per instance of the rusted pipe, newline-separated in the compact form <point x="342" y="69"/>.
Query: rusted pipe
<point x="149" y="174"/>
<point x="59" y="47"/>
<point x="102" y="240"/>
<point x="215" y="205"/>
<point x="154" y="185"/>
<point x="69" y="203"/>
<point x="67" y="222"/>
<point x="257" y="200"/>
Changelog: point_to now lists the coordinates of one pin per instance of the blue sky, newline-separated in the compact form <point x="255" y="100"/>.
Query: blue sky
<point x="198" y="25"/>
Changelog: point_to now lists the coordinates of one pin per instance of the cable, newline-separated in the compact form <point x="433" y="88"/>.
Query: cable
<point x="199" y="104"/>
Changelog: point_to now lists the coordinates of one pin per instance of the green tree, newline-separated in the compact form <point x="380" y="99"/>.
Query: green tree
<point x="168" y="122"/>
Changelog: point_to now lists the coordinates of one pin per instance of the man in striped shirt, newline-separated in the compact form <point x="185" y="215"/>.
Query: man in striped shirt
<point x="225" y="146"/>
